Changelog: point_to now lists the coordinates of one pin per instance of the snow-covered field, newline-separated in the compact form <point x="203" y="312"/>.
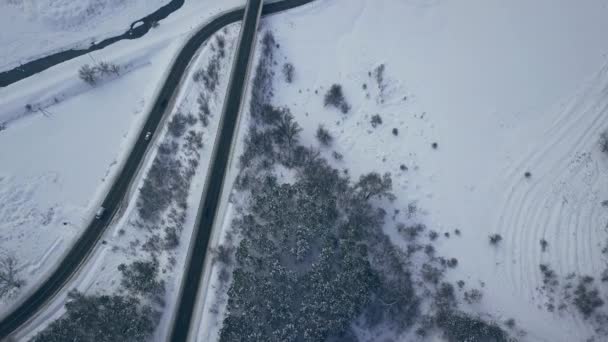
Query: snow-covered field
<point x="37" y="28"/>
<point x="503" y="89"/>
<point x="58" y="158"/>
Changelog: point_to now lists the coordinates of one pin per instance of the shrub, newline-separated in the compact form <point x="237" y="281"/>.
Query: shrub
<point x="376" y="120"/>
<point x="335" y="98"/>
<point x="543" y="244"/>
<point x="221" y="44"/>
<point x="495" y="239"/>
<point x="395" y="132"/>
<point x="88" y="74"/>
<point x="178" y="125"/>
<point x="604" y="142"/>
<point x="323" y="136"/>
<point x="473" y="296"/>
<point x="223" y="254"/>
<point x="140" y="277"/>
<point x="171" y="238"/>
<point x="587" y="299"/>
<point x="288" y="71"/>
<point x="452" y="263"/>
<point x="9" y="280"/>
<point x="211" y="77"/>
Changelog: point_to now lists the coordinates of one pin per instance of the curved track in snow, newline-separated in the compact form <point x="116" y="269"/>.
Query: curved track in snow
<point x="561" y="201"/>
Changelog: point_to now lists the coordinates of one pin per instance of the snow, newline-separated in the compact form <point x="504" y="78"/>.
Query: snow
<point x="123" y="240"/>
<point x="37" y="28"/>
<point x="56" y="167"/>
<point x="503" y="88"/>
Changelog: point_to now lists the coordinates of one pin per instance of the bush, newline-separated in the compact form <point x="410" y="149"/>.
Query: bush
<point x="335" y="98"/>
<point x="171" y="238"/>
<point x="604" y="142"/>
<point x="337" y="155"/>
<point x="288" y="71"/>
<point x="473" y="296"/>
<point x="376" y="120"/>
<point x="179" y="124"/>
<point x="587" y="299"/>
<point x="140" y="277"/>
<point x="543" y="244"/>
<point x="211" y="77"/>
<point x="495" y="239"/>
<point x="323" y="136"/>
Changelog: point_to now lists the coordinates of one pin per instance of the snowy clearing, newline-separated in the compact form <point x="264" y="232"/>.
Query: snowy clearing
<point x="501" y="92"/>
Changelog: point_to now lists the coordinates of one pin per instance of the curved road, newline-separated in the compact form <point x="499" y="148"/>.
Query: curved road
<point x="85" y="244"/>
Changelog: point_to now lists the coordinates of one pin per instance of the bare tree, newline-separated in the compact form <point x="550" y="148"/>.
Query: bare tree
<point x="8" y="274"/>
<point x="115" y="69"/>
<point x="104" y="68"/>
<point x="88" y="74"/>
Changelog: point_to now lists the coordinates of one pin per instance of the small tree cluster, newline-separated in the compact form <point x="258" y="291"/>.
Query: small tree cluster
<point x="587" y="298"/>
<point x="91" y="74"/>
<point x="335" y="98"/>
<point x="140" y="277"/>
<point x="180" y="123"/>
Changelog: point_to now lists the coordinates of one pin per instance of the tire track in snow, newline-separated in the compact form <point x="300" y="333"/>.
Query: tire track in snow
<point x="561" y="202"/>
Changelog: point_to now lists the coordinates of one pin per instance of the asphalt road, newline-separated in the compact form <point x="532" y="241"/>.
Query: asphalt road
<point x="216" y="175"/>
<point x="219" y="163"/>
<point x="85" y="244"/>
